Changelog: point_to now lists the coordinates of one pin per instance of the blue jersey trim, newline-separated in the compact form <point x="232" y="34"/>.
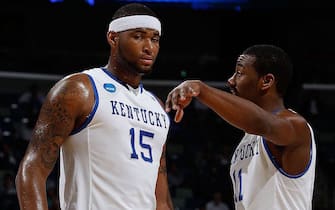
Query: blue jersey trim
<point x="120" y="81"/>
<point x="95" y="106"/>
<point x="281" y="170"/>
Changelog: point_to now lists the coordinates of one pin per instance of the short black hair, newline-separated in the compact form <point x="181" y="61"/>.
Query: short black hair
<point x="274" y="60"/>
<point x="133" y="9"/>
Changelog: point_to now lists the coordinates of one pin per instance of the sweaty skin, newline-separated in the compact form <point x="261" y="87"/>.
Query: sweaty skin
<point x="286" y="131"/>
<point x="67" y="106"/>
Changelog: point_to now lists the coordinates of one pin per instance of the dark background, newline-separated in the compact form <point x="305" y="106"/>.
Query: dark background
<point x="61" y="38"/>
<point x="38" y="39"/>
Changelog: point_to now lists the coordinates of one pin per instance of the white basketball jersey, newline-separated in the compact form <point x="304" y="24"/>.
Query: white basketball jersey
<point x="260" y="184"/>
<point x="111" y="162"/>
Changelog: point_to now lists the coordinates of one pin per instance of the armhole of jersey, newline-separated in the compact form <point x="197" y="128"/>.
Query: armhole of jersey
<point x="281" y="170"/>
<point x="154" y="97"/>
<point x="159" y="101"/>
<point x="94" y="109"/>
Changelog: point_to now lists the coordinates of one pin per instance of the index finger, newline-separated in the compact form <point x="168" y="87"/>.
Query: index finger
<point x="172" y="100"/>
<point x="168" y="103"/>
<point x="179" y="115"/>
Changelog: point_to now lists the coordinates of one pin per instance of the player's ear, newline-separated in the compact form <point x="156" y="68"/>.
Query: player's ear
<point x="267" y="81"/>
<point x="112" y="37"/>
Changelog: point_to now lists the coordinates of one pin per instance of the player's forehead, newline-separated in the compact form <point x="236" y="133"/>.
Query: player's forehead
<point x="245" y="59"/>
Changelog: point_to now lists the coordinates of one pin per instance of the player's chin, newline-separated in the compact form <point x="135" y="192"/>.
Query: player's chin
<point x="145" y="69"/>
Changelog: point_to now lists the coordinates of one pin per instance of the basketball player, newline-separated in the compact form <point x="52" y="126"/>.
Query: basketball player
<point x="273" y="167"/>
<point x="109" y="130"/>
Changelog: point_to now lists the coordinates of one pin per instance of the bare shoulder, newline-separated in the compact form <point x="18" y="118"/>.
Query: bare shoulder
<point x="299" y="125"/>
<point x="295" y="117"/>
<point x="67" y="102"/>
<point x="74" y="86"/>
<point x="296" y="155"/>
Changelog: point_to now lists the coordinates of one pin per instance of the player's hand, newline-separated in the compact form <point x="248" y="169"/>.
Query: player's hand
<point x="180" y="97"/>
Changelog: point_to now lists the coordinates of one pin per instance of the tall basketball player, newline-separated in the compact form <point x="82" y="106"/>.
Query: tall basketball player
<point x="109" y="130"/>
<point x="273" y="167"/>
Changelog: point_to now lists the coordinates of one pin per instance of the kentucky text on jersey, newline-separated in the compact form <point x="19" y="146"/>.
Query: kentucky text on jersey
<point x="246" y="151"/>
<point x="139" y="114"/>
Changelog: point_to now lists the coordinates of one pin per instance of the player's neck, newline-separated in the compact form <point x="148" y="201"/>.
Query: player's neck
<point x="128" y="77"/>
<point x="273" y="104"/>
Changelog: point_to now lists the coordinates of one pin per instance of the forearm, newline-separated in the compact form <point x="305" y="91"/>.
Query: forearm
<point x="237" y="111"/>
<point x="167" y="205"/>
<point x="31" y="188"/>
<point x="163" y="197"/>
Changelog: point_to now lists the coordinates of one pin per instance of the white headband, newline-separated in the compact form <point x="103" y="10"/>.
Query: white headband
<point x="135" y="21"/>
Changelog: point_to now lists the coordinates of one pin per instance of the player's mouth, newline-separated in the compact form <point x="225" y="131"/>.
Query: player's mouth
<point x="147" y="61"/>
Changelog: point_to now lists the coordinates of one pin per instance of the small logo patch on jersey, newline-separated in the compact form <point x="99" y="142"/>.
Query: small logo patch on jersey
<point x="110" y="87"/>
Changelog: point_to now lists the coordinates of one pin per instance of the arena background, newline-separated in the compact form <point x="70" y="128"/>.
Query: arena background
<point x="41" y="41"/>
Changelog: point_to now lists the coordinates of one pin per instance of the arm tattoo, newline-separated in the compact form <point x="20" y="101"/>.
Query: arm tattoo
<point x="50" y="155"/>
<point x="53" y="125"/>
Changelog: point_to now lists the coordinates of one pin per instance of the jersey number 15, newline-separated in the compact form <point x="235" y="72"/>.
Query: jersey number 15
<point x="147" y="156"/>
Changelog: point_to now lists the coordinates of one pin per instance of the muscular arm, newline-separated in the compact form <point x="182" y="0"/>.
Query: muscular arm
<point x="61" y="110"/>
<point x="281" y="129"/>
<point x="287" y="133"/>
<point x="163" y="197"/>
